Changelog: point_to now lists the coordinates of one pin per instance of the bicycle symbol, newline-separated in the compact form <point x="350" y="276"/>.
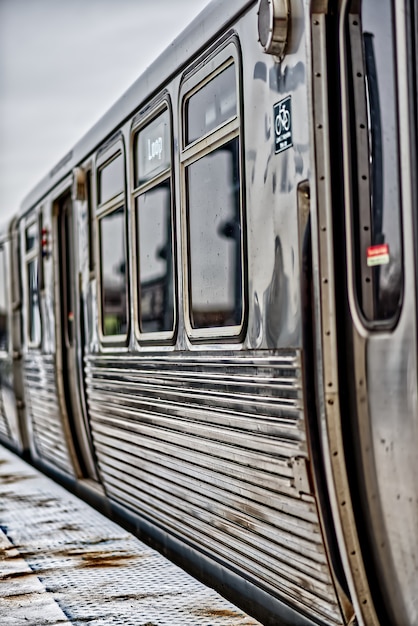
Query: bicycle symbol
<point x="282" y="119"/>
<point x="282" y="115"/>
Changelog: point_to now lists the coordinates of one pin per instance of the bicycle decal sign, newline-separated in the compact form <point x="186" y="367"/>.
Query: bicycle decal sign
<point x="282" y="115"/>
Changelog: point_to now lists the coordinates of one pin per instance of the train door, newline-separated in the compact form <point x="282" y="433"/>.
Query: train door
<point x="364" y="73"/>
<point x="70" y="337"/>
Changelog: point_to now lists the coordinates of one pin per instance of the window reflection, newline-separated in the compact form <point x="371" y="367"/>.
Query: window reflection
<point x="212" y="105"/>
<point x="153" y="149"/>
<point x="4" y="326"/>
<point x="156" y="303"/>
<point x="111" y="179"/>
<point x="378" y="225"/>
<point x="113" y="273"/>
<point x="34" y="325"/>
<point x="31" y="237"/>
<point x="215" y="238"/>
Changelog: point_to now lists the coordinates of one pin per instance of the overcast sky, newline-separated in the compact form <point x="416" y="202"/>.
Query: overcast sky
<point x="63" y="63"/>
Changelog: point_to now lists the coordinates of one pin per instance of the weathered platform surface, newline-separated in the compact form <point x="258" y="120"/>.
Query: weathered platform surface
<point x="63" y="562"/>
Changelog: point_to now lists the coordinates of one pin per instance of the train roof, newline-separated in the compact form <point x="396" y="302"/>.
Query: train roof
<point x="214" y="18"/>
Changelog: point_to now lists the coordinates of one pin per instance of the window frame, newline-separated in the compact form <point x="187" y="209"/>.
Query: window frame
<point x="208" y="143"/>
<point x="108" y="153"/>
<point x="140" y="123"/>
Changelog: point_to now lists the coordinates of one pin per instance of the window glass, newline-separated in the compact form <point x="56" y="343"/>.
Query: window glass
<point x="153" y="149"/>
<point x="213" y="186"/>
<point x="378" y="219"/>
<point x="211" y="106"/>
<point x="111" y="179"/>
<point x="4" y="299"/>
<point x="113" y="273"/>
<point x="31" y="237"/>
<point x="34" y="321"/>
<point x="90" y="217"/>
<point x="156" y="302"/>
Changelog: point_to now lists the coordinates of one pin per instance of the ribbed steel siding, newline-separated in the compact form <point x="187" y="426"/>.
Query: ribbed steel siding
<point x="5" y="379"/>
<point x="43" y="410"/>
<point x="205" y="447"/>
<point x="5" y="432"/>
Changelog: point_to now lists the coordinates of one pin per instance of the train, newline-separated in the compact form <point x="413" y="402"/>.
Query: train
<point x="208" y="309"/>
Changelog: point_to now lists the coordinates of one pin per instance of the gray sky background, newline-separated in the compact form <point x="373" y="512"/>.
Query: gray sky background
<point x="63" y="63"/>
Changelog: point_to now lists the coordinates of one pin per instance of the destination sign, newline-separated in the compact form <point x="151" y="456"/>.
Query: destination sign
<point x="153" y="149"/>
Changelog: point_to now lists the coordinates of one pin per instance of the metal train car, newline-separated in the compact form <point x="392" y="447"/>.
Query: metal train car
<point x="208" y="309"/>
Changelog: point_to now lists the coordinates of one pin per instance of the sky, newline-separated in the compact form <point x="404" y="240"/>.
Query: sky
<point x="63" y="63"/>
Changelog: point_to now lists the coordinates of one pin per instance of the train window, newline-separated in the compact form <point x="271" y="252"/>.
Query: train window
<point x="31" y="237"/>
<point x="90" y="217"/>
<point x="156" y="306"/>
<point x="153" y="149"/>
<point x="213" y="199"/>
<point x="375" y="137"/>
<point x="214" y="104"/>
<point x="113" y="273"/>
<point x="111" y="179"/>
<point x="4" y="302"/>
<point x="154" y="226"/>
<point x="213" y="217"/>
<point x="32" y="283"/>
<point x="34" y="321"/>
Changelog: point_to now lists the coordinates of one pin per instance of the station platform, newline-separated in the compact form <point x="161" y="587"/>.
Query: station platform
<point x="63" y="562"/>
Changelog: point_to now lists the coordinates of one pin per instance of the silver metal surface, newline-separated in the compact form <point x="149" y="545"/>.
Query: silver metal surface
<point x="385" y="371"/>
<point x="229" y="442"/>
<point x="216" y="446"/>
<point x="10" y="428"/>
<point x="62" y="562"/>
<point x="325" y="278"/>
<point x="48" y="440"/>
<point x="208" y="441"/>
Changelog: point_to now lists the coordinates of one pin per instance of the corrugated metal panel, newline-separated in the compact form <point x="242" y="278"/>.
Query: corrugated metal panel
<point x="213" y="449"/>
<point x="43" y="410"/>
<point x="4" y="423"/>
<point x="6" y="398"/>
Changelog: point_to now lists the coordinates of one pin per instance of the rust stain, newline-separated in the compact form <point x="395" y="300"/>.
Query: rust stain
<point x="14" y="575"/>
<point x="8" y="554"/>
<point x="216" y="613"/>
<point x="7" y="479"/>
<point x="21" y="597"/>
<point x="70" y="527"/>
<point x="102" y="559"/>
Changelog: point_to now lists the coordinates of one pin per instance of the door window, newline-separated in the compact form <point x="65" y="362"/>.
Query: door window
<point x="375" y="145"/>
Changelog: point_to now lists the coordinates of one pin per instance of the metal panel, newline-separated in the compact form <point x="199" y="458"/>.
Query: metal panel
<point x="43" y="411"/>
<point x="213" y="449"/>
<point x="4" y="424"/>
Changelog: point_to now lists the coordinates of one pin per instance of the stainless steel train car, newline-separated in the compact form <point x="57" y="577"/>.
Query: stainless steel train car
<point x="208" y="309"/>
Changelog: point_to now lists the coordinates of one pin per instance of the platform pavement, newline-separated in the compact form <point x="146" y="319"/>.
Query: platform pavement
<point x="63" y="562"/>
